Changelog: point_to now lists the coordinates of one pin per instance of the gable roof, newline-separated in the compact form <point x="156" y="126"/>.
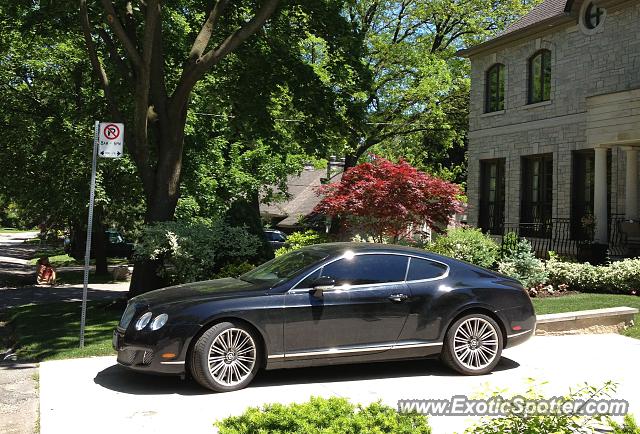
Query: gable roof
<point x="544" y="11"/>
<point x="546" y="14"/>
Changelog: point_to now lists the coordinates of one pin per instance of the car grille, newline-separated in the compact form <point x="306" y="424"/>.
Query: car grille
<point x="135" y="357"/>
<point x="127" y="357"/>
<point x="147" y="357"/>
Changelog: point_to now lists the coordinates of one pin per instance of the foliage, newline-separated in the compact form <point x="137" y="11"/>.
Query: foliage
<point x="385" y="199"/>
<point x="324" y="416"/>
<point x="298" y="240"/>
<point x="616" y="277"/>
<point x="628" y="426"/>
<point x="234" y="269"/>
<point x="188" y="252"/>
<point x="519" y="261"/>
<point x="242" y="214"/>
<point x="555" y="421"/>
<point x="467" y="244"/>
<point x="416" y="99"/>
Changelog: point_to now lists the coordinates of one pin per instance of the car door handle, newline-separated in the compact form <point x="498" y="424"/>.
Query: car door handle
<point x="398" y="297"/>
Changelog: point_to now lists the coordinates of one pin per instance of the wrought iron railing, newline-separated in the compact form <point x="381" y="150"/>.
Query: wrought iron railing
<point x="556" y="236"/>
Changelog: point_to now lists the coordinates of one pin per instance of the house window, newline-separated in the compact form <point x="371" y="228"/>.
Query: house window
<point x="537" y="195"/>
<point x="492" y="189"/>
<point x="494" y="93"/>
<point x="540" y="77"/>
<point x="593" y="16"/>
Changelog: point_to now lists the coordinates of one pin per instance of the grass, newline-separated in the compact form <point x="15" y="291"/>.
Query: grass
<point x="51" y="331"/>
<point x="58" y="258"/>
<point x="13" y="230"/>
<point x="575" y="302"/>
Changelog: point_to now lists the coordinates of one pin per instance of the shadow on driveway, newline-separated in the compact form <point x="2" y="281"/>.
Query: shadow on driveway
<point x="122" y="380"/>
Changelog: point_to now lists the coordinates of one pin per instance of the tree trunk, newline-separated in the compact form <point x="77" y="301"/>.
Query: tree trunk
<point x="162" y="200"/>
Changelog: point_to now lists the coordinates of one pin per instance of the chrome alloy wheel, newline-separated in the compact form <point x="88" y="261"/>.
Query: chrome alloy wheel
<point x="232" y="357"/>
<point x="475" y="343"/>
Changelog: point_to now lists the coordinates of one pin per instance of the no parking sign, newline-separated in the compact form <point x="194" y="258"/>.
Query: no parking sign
<point x="110" y="140"/>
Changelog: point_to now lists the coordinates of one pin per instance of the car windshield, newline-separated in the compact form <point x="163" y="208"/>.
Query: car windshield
<point x="283" y="267"/>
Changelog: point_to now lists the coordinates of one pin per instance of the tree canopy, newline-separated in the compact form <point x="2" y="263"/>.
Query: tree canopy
<point x="385" y="199"/>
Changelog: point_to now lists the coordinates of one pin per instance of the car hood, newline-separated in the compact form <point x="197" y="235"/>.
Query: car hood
<point x="205" y="290"/>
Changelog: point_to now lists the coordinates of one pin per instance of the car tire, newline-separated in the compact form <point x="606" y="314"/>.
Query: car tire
<point x="473" y="345"/>
<point x="226" y="357"/>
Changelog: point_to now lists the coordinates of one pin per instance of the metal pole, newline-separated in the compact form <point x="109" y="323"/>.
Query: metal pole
<point x="87" y="250"/>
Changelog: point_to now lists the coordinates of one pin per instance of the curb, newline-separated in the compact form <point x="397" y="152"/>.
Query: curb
<point x="590" y="321"/>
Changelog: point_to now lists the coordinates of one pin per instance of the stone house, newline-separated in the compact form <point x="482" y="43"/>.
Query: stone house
<point x="555" y="125"/>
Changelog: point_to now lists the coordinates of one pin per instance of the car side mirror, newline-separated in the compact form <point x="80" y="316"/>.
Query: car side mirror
<point x="321" y="284"/>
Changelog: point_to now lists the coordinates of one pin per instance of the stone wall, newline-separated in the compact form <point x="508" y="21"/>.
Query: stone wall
<point x="584" y="64"/>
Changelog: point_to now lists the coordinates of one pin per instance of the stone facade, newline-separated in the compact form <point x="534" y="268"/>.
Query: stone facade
<point x="595" y="101"/>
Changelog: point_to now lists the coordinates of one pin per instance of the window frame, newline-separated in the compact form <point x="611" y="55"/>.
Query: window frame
<point x="500" y="195"/>
<point x="543" y="54"/>
<point x="543" y="203"/>
<point x="295" y="290"/>
<point x="499" y="100"/>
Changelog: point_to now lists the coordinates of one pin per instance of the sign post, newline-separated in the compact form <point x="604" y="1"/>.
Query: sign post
<point x="108" y="140"/>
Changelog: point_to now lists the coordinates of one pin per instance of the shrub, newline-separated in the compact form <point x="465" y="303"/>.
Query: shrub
<point x="617" y="277"/>
<point x="193" y="251"/>
<point x="298" y="240"/>
<point x="467" y="244"/>
<point x="555" y="421"/>
<point x="629" y="426"/>
<point x="326" y="416"/>
<point x="519" y="261"/>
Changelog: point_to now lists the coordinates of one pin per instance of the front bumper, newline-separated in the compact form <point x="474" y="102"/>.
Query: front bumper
<point x="149" y="351"/>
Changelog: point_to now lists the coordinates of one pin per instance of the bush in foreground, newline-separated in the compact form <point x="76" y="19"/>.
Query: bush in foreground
<point x="617" y="277"/>
<point x="467" y="244"/>
<point x="197" y="250"/>
<point x="519" y="261"/>
<point x="325" y="416"/>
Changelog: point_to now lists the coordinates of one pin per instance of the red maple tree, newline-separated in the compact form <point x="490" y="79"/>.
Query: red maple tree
<point x="386" y="199"/>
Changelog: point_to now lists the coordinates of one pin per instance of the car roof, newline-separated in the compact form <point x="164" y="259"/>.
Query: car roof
<point x="338" y="248"/>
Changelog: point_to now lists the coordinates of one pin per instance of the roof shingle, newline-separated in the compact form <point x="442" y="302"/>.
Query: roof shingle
<point x="546" y="10"/>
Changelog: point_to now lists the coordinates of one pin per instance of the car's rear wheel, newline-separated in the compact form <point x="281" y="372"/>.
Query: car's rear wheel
<point x="225" y="357"/>
<point x="473" y="345"/>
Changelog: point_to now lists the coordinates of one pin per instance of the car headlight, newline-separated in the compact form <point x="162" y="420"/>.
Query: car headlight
<point x="143" y="321"/>
<point x="127" y="316"/>
<point x="159" y="321"/>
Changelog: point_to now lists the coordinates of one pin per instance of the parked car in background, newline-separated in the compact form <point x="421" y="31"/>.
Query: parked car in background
<point x="327" y="304"/>
<point x="116" y="245"/>
<point x="276" y="238"/>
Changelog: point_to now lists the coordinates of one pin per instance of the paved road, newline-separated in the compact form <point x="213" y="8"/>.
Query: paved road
<point x="14" y="258"/>
<point x="93" y="394"/>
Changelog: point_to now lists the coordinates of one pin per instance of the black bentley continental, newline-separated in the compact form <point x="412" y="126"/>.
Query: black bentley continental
<point x="324" y="305"/>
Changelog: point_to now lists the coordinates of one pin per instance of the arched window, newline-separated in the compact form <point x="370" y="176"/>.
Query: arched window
<point x="540" y="77"/>
<point x="495" y="89"/>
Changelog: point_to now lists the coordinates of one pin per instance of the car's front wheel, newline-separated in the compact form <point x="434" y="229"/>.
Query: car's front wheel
<point x="473" y="345"/>
<point x="225" y="357"/>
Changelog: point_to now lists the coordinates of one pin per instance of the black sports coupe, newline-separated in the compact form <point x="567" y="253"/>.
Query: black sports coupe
<point x="323" y="305"/>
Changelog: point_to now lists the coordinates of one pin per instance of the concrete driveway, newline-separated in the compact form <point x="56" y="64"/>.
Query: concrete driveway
<point x="94" y="395"/>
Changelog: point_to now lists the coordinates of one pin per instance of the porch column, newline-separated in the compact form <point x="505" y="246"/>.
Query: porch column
<point x="631" y="186"/>
<point x="600" y="196"/>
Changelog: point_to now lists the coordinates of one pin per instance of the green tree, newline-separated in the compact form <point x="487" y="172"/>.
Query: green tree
<point x="416" y="102"/>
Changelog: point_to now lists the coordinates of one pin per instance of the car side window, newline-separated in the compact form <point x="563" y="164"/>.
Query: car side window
<point x="420" y="269"/>
<point x="367" y="269"/>
<point x="306" y="283"/>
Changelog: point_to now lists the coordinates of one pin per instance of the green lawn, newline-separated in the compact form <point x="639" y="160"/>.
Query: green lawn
<point x="59" y="258"/>
<point x="13" y="230"/>
<point x="575" y="302"/>
<point x="52" y="331"/>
